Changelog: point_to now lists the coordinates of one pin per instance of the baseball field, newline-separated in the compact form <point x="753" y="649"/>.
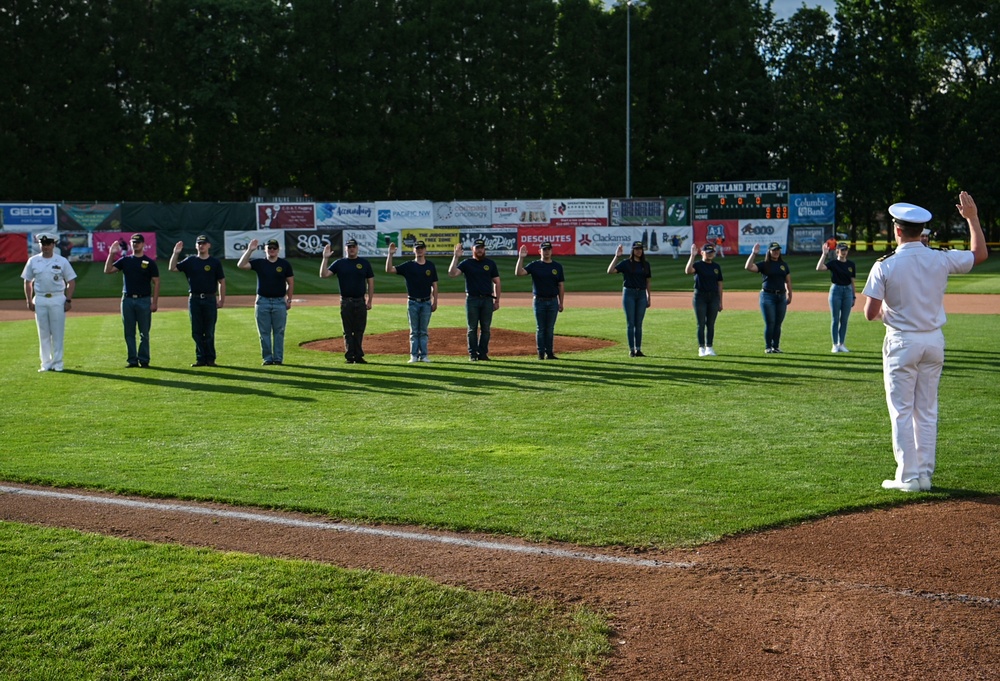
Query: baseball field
<point x="594" y="517"/>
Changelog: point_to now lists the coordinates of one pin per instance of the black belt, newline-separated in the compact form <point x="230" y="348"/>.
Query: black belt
<point x="202" y="295"/>
<point x="420" y="300"/>
<point x="473" y="295"/>
<point x="352" y="297"/>
<point x="130" y="295"/>
<point x="272" y="297"/>
<point x="635" y="288"/>
<point x="546" y="297"/>
<point x="776" y="292"/>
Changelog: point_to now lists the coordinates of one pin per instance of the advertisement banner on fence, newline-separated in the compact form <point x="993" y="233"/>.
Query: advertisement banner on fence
<point x="637" y="212"/>
<point x="672" y="241"/>
<point x="392" y="216"/>
<point x="286" y="215"/>
<point x="812" y="209"/>
<point x="28" y="217"/>
<point x="520" y="213"/>
<point x="725" y="234"/>
<point x="762" y="232"/>
<point x="498" y="241"/>
<point x="808" y="239"/>
<point x="368" y="243"/>
<point x="462" y="214"/>
<point x="357" y="215"/>
<point x="13" y="247"/>
<point x="237" y="242"/>
<point x="563" y="239"/>
<point x="310" y="243"/>
<point x="604" y="240"/>
<point x="578" y="213"/>
<point x="87" y="217"/>
<point x="74" y="246"/>
<point x="102" y="244"/>
<point x="678" y="214"/>
<point x="438" y="241"/>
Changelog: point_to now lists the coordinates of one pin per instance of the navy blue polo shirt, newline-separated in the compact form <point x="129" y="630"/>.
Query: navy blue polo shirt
<point x="773" y="273"/>
<point x="635" y="273"/>
<point x="707" y="276"/>
<point x="138" y="274"/>
<point x="203" y="274"/>
<point x="418" y="277"/>
<point x="271" y="276"/>
<point x="479" y="275"/>
<point x="841" y="273"/>
<point x="352" y="275"/>
<point x="545" y="278"/>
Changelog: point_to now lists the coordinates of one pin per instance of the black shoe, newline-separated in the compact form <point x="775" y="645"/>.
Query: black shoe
<point x="144" y="365"/>
<point x="267" y="363"/>
<point x="776" y="350"/>
<point x="277" y="361"/>
<point x="211" y="364"/>
<point x="484" y="358"/>
<point x="541" y="355"/>
<point x="638" y="353"/>
<point x="361" y="360"/>
<point x="551" y="356"/>
<point x="132" y="365"/>
<point x="631" y="353"/>
<point x="199" y="364"/>
<point x="349" y="361"/>
<point x="473" y="358"/>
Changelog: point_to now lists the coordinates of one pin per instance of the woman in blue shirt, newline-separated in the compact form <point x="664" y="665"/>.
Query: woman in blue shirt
<point x="636" y="294"/>
<point x="842" y="294"/>
<point x="775" y="293"/>
<point x="707" y="295"/>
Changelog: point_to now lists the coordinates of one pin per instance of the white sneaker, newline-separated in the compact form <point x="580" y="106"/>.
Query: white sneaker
<point x="844" y="349"/>
<point x="709" y="352"/>
<point x="413" y="359"/>
<point x="835" y="349"/>
<point x="925" y="482"/>
<point x="909" y="486"/>
<point x="425" y="358"/>
<point x="701" y="352"/>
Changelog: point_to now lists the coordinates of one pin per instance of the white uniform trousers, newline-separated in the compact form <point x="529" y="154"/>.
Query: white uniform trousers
<point x="911" y="366"/>
<point x="50" y="317"/>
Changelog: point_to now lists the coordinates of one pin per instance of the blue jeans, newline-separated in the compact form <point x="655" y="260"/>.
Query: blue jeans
<point x="546" y="311"/>
<point x="479" y="315"/>
<point x="204" y="314"/>
<point x="706" y="309"/>
<point x="841" y="301"/>
<point x="772" y="307"/>
<point x="271" y="315"/>
<point x="634" y="302"/>
<point x="136" y="313"/>
<point x="420" y="319"/>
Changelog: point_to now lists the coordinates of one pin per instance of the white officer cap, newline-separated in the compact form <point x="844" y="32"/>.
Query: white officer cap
<point x="45" y="237"/>
<point x="907" y="212"/>
<point x="926" y="232"/>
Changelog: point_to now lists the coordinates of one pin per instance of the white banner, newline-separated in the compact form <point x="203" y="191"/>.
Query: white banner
<point x="396" y="215"/>
<point x="661" y="241"/>
<point x="520" y="213"/>
<point x="371" y="243"/>
<point x="345" y="215"/>
<point x="605" y="240"/>
<point x="462" y="214"/>
<point x="237" y="242"/>
<point x="578" y="213"/>
<point x="762" y="232"/>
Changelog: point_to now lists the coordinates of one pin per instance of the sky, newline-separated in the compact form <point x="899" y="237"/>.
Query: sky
<point x="784" y="8"/>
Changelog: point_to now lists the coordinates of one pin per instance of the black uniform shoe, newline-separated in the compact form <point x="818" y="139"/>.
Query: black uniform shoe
<point x="361" y="360"/>
<point x="541" y="355"/>
<point x="267" y="363"/>
<point x="132" y="365"/>
<point x="144" y="365"/>
<point x="638" y="353"/>
<point x="199" y="364"/>
<point x="211" y="364"/>
<point x="484" y="358"/>
<point x="551" y="357"/>
<point x="277" y="361"/>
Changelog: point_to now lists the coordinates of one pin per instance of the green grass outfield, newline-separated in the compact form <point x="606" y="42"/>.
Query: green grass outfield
<point x="598" y="449"/>
<point x="583" y="274"/>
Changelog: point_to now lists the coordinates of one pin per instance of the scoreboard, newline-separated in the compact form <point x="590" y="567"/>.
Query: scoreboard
<point x="746" y="200"/>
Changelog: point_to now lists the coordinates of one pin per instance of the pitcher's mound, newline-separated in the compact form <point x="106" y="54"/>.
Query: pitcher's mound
<point x="452" y="341"/>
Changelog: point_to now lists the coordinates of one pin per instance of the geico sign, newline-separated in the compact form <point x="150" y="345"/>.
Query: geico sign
<point x="31" y="212"/>
<point x="758" y="229"/>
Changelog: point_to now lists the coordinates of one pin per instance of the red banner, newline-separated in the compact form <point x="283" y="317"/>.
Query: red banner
<point x="563" y="239"/>
<point x="14" y="247"/>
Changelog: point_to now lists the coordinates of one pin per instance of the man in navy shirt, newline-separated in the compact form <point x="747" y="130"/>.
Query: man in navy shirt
<point x="482" y="296"/>
<point x="140" y="294"/>
<point x="275" y="285"/>
<point x="206" y="294"/>
<point x="357" y="290"/>
<point x="547" y="285"/>
<point x="421" y="279"/>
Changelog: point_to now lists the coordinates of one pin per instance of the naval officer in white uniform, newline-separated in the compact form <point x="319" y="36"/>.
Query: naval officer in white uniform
<point x="49" y="282"/>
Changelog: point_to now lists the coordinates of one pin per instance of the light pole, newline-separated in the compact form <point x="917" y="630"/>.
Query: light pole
<point x="628" y="99"/>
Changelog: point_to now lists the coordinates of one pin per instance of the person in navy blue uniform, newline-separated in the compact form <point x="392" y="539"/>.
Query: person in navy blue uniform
<point x="421" y="278"/>
<point x="637" y="295"/>
<point x="775" y="293"/>
<point x="842" y="292"/>
<point x="707" y="295"/>
<point x="206" y="294"/>
<point x="549" y="289"/>
<point x="482" y="296"/>
<point x="357" y="291"/>
<point x="275" y="287"/>
<point x="140" y="295"/>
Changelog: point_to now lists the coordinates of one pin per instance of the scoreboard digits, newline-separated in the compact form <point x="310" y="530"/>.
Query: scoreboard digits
<point x="747" y="200"/>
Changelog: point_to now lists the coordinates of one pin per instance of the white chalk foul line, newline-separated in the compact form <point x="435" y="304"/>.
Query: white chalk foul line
<point x="343" y="527"/>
